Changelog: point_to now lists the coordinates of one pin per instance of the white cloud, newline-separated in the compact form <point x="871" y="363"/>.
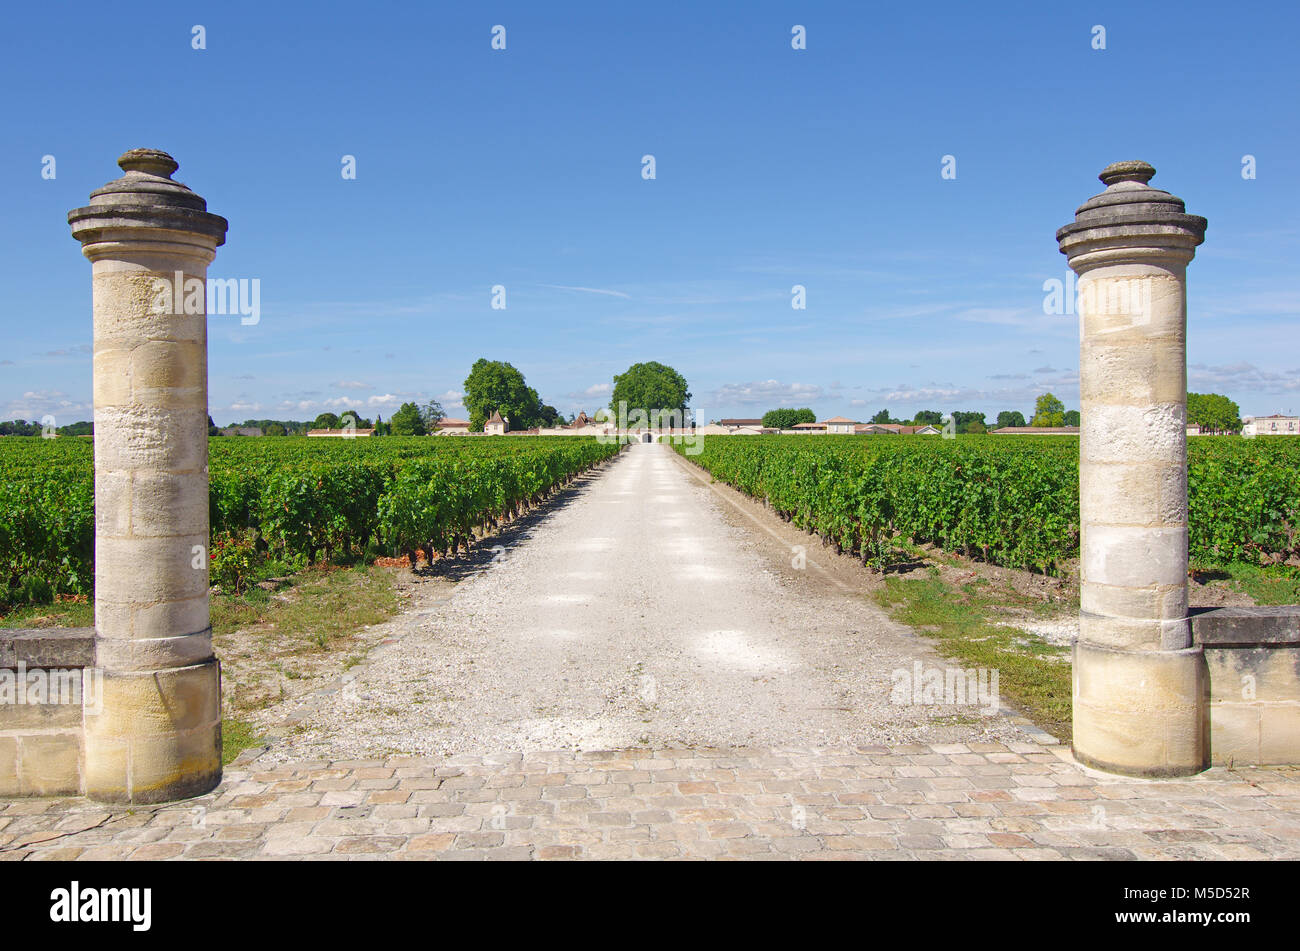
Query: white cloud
<point x="766" y="392"/>
<point x="352" y="385"/>
<point x="1243" y="376"/>
<point x="35" y="404"/>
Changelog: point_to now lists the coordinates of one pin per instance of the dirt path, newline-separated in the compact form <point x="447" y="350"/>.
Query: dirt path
<point x="643" y="610"/>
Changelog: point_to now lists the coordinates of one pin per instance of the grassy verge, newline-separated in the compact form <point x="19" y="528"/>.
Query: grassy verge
<point x="58" y="614"/>
<point x="316" y="609"/>
<point x="304" y="626"/>
<point x="1033" y="675"/>
<point x="1277" y="584"/>
<point x="236" y="736"/>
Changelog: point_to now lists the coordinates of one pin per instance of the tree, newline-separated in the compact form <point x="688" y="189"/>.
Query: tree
<point x="929" y="417"/>
<point x="882" y="417"/>
<point x="430" y="413"/>
<point x="1010" y="417"/>
<point x="788" y="418"/>
<point x="496" y="386"/>
<point x="406" y="421"/>
<point x="212" y="427"/>
<point x="651" y="388"/>
<point x="1072" y="417"/>
<point x="274" y="429"/>
<point x="1213" y="411"/>
<point x="968" y="422"/>
<point x="1048" y="411"/>
<point x="326" y="421"/>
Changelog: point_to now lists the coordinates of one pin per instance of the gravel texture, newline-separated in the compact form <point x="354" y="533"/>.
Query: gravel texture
<point x="631" y="613"/>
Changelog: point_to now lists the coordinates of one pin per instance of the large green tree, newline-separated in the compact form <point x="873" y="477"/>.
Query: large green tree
<point x="651" y="388"/>
<point x="1048" y="411"/>
<point x="407" y="421"/>
<point x="787" y="418"/>
<point x="1010" y="417"/>
<point x="496" y="386"/>
<point x="882" y="417"/>
<point x="1213" y="411"/>
<point x="929" y="417"/>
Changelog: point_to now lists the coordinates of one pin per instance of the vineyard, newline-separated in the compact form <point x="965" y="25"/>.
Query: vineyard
<point x="301" y="501"/>
<point x="295" y="501"/>
<point x="1012" y="503"/>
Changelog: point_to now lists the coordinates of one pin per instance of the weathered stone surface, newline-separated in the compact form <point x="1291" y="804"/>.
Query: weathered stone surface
<point x="1239" y="626"/>
<point x="1140" y="693"/>
<point x="47" y="647"/>
<point x="150" y="240"/>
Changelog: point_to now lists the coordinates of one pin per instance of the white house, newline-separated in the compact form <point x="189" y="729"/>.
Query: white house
<point x="451" y="427"/>
<point x="841" y="426"/>
<point x="497" y="425"/>
<point x="1275" y="425"/>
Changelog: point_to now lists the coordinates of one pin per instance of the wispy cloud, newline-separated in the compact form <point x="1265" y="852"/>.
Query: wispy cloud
<point x="589" y="290"/>
<point x="77" y="351"/>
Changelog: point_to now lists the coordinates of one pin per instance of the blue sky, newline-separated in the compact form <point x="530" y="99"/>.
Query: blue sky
<point x="775" y="167"/>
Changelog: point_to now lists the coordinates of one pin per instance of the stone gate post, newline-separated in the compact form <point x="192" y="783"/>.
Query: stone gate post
<point x="1140" y="704"/>
<point x="154" y="732"/>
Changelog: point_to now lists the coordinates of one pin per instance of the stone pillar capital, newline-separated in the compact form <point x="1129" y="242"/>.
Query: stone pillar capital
<point x="146" y="210"/>
<point x="1130" y="223"/>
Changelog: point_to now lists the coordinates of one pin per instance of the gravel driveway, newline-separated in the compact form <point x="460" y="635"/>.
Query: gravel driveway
<point x="629" y="614"/>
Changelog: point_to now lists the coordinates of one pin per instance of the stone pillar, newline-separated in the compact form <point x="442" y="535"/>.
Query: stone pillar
<point x="157" y="733"/>
<point x="1139" y="683"/>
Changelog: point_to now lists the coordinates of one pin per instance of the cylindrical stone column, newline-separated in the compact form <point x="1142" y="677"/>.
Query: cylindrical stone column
<point x="1139" y="683"/>
<point x="155" y="735"/>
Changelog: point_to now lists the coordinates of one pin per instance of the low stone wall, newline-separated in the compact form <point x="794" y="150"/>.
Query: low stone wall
<point x="47" y="678"/>
<point x="1252" y="655"/>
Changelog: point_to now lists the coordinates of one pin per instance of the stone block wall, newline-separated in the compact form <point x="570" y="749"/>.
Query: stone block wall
<point x="1252" y="659"/>
<point x="46" y="679"/>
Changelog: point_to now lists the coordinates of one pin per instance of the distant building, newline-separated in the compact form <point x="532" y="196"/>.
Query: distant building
<point x="451" y="427"/>
<point x="497" y="425"/>
<point x="841" y="426"/>
<point x="738" y="423"/>
<point x="808" y="428"/>
<point x="241" y="431"/>
<point x="1036" y="431"/>
<point x="341" y="433"/>
<point x="1193" y="429"/>
<point x="1275" y="425"/>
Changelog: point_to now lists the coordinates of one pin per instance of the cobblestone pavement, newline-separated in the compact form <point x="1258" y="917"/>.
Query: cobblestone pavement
<point x="979" y="801"/>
